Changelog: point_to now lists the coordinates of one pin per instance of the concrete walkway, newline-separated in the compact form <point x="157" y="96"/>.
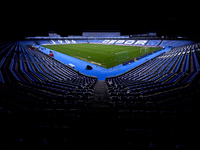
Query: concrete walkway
<point x="101" y="98"/>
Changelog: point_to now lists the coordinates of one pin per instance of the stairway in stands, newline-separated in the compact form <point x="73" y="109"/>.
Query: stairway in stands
<point x="101" y="98"/>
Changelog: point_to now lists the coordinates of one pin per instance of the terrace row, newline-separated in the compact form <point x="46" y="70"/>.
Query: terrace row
<point x="161" y="43"/>
<point x="158" y="79"/>
<point x="42" y="98"/>
<point x="35" y="76"/>
<point x="42" y="82"/>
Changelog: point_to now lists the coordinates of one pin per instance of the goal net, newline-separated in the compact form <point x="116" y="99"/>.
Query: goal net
<point x="144" y="49"/>
<point x="121" y="56"/>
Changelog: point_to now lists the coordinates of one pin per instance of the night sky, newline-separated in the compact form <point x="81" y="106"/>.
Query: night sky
<point x="36" y="18"/>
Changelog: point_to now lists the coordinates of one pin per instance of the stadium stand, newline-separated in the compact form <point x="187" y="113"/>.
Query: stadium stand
<point x="120" y="42"/>
<point x="112" y="42"/>
<point x="42" y="98"/>
<point x="95" y="41"/>
<point x="129" y="42"/>
<point x="101" y="34"/>
<point x="161" y="43"/>
<point x="105" y="41"/>
<point x="81" y="41"/>
<point x="141" y="42"/>
<point x="154" y="42"/>
<point x="175" y="67"/>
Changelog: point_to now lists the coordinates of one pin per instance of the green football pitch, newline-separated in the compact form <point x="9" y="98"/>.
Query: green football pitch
<point x="102" y="55"/>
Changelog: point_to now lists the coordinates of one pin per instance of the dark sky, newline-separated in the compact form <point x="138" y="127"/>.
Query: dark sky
<point x="33" y="18"/>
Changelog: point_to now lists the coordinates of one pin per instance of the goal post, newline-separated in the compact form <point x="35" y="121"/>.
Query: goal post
<point x="121" y="56"/>
<point x="144" y="49"/>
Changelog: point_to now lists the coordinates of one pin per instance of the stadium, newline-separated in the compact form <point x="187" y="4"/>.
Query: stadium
<point x="130" y="89"/>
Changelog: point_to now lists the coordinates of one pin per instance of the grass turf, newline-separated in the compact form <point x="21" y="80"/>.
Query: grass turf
<point x="99" y="54"/>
